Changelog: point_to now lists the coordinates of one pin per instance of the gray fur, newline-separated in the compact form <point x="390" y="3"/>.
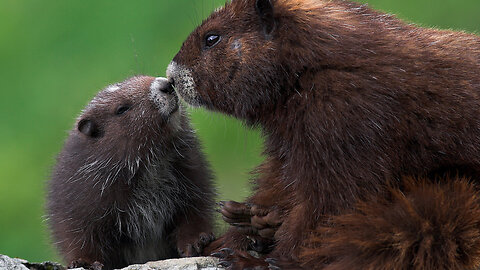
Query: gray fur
<point x="117" y="198"/>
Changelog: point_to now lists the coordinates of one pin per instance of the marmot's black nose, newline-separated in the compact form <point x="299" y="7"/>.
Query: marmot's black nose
<point x="167" y="88"/>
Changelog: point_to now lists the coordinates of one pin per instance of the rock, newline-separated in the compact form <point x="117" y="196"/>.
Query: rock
<point x="206" y="263"/>
<point x="197" y="263"/>
<point x="9" y="263"/>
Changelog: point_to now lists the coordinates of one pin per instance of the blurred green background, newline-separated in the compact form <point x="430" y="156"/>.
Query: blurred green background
<point x="54" y="57"/>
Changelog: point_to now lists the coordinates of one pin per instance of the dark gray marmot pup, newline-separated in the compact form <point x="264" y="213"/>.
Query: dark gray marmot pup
<point x="131" y="184"/>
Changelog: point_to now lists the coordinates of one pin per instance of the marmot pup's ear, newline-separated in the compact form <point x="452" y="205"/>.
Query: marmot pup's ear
<point x="265" y="11"/>
<point x="89" y="128"/>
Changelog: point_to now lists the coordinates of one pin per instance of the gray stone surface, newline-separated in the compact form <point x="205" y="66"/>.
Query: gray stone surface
<point x="9" y="263"/>
<point x="198" y="263"/>
<point x="206" y="263"/>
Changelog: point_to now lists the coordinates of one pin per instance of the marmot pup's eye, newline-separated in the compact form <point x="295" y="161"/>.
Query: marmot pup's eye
<point x="122" y="109"/>
<point x="211" y="40"/>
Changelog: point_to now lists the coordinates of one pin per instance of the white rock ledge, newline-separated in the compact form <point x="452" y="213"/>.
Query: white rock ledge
<point x="197" y="263"/>
<point x="205" y="263"/>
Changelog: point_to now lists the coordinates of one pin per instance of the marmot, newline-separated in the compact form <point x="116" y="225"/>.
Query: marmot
<point x="131" y="184"/>
<point x="350" y="102"/>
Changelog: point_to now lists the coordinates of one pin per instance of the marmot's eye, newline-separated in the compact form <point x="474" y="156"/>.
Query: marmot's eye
<point x="211" y="40"/>
<point x="122" y="109"/>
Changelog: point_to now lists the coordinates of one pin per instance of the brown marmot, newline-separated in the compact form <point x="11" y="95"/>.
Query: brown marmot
<point x="350" y="102"/>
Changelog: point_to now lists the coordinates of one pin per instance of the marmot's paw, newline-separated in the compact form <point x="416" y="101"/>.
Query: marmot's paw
<point x="260" y="244"/>
<point x="235" y="213"/>
<point x="196" y="248"/>
<point x="253" y="219"/>
<point x="81" y="263"/>
<point x="282" y="264"/>
<point x="266" y="220"/>
<point x="239" y="260"/>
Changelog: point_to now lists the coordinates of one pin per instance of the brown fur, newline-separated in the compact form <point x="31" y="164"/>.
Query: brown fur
<point x="347" y="98"/>
<point x="427" y="226"/>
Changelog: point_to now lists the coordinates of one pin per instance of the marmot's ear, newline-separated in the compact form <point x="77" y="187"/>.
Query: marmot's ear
<point x="89" y="128"/>
<point x="265" y="11"/>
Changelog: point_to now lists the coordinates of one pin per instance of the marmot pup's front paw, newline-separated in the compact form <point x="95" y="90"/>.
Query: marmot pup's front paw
<point x="81" y="263"/>
<point x="197" y="246"/>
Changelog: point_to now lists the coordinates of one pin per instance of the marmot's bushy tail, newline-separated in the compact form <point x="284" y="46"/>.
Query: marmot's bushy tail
<point x="427" y="226"/>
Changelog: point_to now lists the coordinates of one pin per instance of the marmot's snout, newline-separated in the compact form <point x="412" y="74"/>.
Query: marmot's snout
<point x="161" y="84"/>
<point x="181" y="79"/>
<point x="163" y="95"/>
<point x="168" y="88"/>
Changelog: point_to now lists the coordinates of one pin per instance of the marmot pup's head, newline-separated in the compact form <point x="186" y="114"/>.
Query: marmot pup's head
<point x="138" y="106"/>
<point x="126" y="125"/>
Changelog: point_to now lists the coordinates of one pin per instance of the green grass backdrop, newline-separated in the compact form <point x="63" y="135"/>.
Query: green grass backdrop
<point x="54" y="57"/>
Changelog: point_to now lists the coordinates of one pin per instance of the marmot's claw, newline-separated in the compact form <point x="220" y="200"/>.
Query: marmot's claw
<point x="223" y="253"/>
<point x="228" y="251"/>
<point x="272" y="264"/>
<point x="225" y="264"/>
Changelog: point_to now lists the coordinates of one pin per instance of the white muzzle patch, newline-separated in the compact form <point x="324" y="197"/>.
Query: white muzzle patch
<point x="183" y="83"/>
<point x="166" y="103"/>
